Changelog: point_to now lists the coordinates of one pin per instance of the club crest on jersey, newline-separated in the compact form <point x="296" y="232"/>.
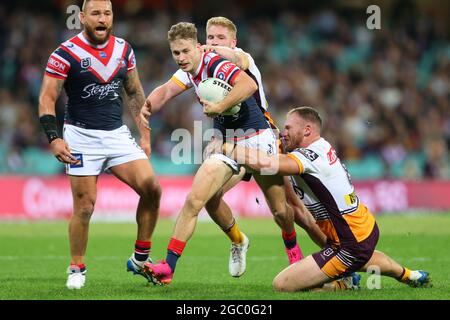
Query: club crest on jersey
<point x="85" y="63"/>
<point x="121" y="62"/>
<point x="309" y="154"/>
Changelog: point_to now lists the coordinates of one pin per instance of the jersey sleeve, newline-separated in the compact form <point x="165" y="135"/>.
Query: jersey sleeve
<point x="57" y="65"/>
<point x="131" y="59"/>
<point x="304" y="159"/>
<point x="181" y="78"/>
<point x="218" y="67"/>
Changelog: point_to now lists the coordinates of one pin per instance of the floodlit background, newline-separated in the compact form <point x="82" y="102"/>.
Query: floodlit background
<point x="384" y="94"/>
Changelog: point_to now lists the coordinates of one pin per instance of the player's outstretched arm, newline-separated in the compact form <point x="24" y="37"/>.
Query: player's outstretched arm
<point x="280" y="164"/>
<point x="303" y="217"/>
<point x="135" y="99"/>
<point x="158" y="98"/>
<point x="50" y="91"/>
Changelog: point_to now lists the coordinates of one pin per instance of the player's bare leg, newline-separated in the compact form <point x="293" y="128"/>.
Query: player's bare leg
<point x="273" y="188"/>
<point x="389" y="267"/>
<point x="304" y="274"/>
<point x="84" y="193"/>
<point x="140" y="176"/>
<point x="209" y="179"/>
<point x="221" y="214"/>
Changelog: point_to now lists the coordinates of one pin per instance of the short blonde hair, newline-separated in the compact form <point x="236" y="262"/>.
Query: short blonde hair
<point x="182" y="30"/>
<point x="309" y="114"/>
<point x="224" y="22"/>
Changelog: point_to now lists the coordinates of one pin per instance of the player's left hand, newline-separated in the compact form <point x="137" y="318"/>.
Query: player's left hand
<point x="209" y="108"/>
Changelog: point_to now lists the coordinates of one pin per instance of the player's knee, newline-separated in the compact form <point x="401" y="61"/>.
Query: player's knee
<point x="280" y="284"/>
<point x="84" y="212"/>
<point x="279" y="215"/>
<point x="151" y="192"/>
<point x="194" y="204"/>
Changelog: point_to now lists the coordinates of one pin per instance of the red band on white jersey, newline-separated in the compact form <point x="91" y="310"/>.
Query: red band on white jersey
<point x="58" y="66"/>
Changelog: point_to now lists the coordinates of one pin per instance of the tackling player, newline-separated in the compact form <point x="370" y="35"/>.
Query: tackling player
<point x="94" y="67"/>
<point x="248" y="127"/>
<point x="324" y="184"/>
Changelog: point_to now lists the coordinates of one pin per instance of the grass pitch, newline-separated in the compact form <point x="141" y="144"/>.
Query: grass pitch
<point x="34" y="259"/>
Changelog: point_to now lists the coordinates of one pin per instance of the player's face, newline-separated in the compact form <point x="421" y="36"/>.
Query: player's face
<point x="220" y="36"/>
<point x="97" y="19"/>
<point x="186" y="53"/>
<point x="293" y="133"/>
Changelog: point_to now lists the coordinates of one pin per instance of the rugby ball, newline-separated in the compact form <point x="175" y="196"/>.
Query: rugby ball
<point x="215" y="90"/>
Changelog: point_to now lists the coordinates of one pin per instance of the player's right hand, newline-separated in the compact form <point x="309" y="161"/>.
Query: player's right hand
<point x="145" y="113"/>
<point x="61" y="151"/>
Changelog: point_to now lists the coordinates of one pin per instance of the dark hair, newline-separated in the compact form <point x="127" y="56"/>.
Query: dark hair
<point x="309" y="114"/>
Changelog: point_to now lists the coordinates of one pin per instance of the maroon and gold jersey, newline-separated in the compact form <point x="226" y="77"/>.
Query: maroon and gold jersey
<point x="325" y="187"/>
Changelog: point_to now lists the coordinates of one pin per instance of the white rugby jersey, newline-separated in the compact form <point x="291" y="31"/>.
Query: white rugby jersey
<point x="326" y="189"/>
<point x="254" y="72"/>
<point x="323" y="180"/>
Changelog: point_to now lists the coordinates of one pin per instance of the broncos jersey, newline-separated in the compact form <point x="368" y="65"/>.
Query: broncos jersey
<point x="212" y="65"/>
<point x="325" y="187"/>
<point x="94" y="78"/>
<point x="255" y="74"/>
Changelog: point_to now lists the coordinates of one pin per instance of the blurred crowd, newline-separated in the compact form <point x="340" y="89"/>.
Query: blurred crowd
<point x="384" y="94"/>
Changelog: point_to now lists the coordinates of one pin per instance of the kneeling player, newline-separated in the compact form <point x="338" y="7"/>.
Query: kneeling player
<point x="324" y="184"/>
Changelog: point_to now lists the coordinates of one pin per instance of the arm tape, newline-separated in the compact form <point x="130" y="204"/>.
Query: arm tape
<point x="48" y="123"/>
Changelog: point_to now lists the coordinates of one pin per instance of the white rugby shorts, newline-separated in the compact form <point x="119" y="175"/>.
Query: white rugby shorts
<point x="264" y="140"/>
<point x="99" y="150"/>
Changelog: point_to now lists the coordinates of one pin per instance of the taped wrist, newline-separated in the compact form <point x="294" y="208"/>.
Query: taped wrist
<point x="48" y="123"/>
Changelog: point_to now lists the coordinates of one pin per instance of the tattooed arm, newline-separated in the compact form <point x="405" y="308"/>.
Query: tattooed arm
<point x="135" y="99"/>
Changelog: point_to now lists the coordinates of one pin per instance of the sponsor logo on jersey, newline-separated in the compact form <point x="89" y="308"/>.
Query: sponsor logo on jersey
<point x="103" y="54"/>
<point x="85" y="63"/>
<point x="102" y="90"/>
<point x="332" y="156"/>
<point x="309" y="154"/>
<point x="221" y="76"/>
<point x="57" y="65"/>
<point x="226" y="67"/>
